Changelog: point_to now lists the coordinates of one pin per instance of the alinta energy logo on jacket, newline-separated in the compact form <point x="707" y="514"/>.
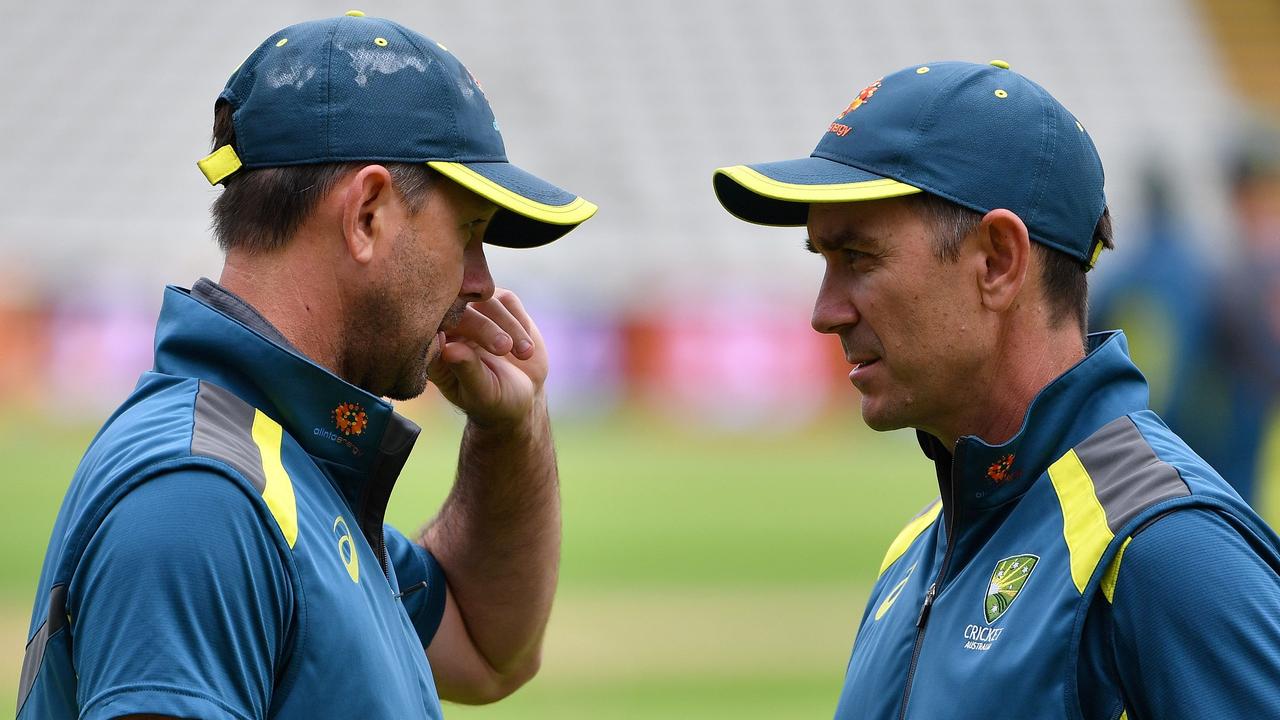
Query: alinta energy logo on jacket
<point x="350" y="420"/>
<point x="1002" y="469"/>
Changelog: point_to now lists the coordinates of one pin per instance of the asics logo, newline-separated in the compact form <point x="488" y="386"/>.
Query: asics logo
<point x="347" y="548"/>
<point x="892" y="597"/>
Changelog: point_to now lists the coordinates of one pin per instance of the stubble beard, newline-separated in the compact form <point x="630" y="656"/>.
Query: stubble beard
<point x="387" y="352"/>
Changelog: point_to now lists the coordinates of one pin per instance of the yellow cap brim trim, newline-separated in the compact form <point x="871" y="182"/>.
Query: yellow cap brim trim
<point x="219" y="164"/>
<point x="766" y="186"/>
<point x="571" y="213"/>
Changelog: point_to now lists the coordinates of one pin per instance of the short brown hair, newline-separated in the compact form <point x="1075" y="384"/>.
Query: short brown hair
<point x="260" y="209"/>
<point x="1063" y="276"/>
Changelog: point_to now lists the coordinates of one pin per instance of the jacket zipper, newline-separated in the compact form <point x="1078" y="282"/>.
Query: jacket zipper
<point x="931" y="594"/>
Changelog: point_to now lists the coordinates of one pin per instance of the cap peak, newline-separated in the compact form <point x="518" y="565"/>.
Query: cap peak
<point x="402" y="98"/>
<point x="956" y="130"/>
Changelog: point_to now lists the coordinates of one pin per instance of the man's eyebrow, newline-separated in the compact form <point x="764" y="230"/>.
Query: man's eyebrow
<point x="843" y="239"/>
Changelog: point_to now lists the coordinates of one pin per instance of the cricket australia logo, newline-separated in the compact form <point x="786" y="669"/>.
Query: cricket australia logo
<point x="1007" y="581"/>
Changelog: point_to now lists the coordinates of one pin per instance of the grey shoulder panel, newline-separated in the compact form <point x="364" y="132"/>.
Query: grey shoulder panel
<point x="224" y="431"/>
<point x="1127" y="475"/>
<point x="34" y="658"/>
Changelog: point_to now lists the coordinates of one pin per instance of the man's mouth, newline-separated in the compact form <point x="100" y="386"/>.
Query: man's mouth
<point x="451" y="318"/>
<point x="861" y="368"/>
<point x="447" y="324"/>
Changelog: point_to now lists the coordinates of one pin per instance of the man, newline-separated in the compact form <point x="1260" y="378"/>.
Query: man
<point x="221" y="551"/>
<point x="1082" y="561"/>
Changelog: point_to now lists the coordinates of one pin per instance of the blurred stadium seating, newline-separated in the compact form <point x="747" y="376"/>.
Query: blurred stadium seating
<point x="631" y="103"/>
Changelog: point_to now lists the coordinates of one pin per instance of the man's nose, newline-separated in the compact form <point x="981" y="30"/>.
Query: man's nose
<point x="477" y="282"/>
<point x="832" y="309"/>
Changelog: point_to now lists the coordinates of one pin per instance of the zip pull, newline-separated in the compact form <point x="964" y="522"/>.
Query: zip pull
<point x="928" y="603"/>
<point x="411" y="589"/>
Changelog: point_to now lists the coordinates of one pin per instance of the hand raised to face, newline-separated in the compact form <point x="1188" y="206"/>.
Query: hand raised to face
<point x="493" y="362"/>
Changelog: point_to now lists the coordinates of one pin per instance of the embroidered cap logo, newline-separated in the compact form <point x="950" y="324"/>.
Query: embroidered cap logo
<point x="862" y="97"/>
<point x="840" y="128"/>
<point x="350" y="418"/>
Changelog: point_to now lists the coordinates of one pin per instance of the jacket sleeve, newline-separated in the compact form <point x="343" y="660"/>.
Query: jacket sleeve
<point x="1197" y="622"/>
<point x="181" y="604"/>
<point x="415" y="565"/>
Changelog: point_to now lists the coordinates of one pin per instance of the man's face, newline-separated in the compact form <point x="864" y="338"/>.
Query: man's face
<point x="433" y="268"/>
<point x="906" y="319"/>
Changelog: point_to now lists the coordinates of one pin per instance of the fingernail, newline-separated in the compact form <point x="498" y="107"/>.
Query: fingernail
<point x="523" y="347"/>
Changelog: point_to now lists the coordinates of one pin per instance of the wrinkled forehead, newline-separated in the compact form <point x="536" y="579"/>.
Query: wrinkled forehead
<point x="867" y="224"/>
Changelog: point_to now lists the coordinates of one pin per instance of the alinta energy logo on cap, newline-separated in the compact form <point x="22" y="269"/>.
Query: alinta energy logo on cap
<point x="842" y="129"/>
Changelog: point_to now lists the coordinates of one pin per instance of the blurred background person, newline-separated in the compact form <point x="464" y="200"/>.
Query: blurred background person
<point x="1162" y="295"/>
<point x="1203" y="315"/>
<point x="1247" y="314"/>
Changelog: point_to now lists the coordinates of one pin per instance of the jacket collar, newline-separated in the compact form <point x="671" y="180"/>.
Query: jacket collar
<point x="1103" y="386"/>
<point x="356" y="436"/>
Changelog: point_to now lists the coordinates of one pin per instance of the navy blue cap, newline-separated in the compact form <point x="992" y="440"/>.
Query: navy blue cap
<point x="356" y="88"/>
<point x="982" y="136"/>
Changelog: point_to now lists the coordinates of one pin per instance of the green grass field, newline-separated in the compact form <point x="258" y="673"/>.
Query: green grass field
<point x="703" y="576"/>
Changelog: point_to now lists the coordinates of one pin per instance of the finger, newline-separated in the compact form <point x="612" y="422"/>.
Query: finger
<point x="464" y="361"/>
<point x="513" y="305"/>
<point x="493" y="309"/>
<point x="437" y="368"/>
<point x="477" y="327"/>
<point x="497" y="309"/>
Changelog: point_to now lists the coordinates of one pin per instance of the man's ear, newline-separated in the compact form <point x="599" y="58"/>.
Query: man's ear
<point x="1005" y="245"/>
<point x="367" y="211"/>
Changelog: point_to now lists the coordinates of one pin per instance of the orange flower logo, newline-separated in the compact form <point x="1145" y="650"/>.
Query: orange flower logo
<point x="863" y="96"/>
<point x="350" y="418"/>
<point x="999" y="470"/>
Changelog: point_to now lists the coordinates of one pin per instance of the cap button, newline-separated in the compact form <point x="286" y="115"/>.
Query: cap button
<point x="355" y="13"/>
<point x="1000" y="64"/>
